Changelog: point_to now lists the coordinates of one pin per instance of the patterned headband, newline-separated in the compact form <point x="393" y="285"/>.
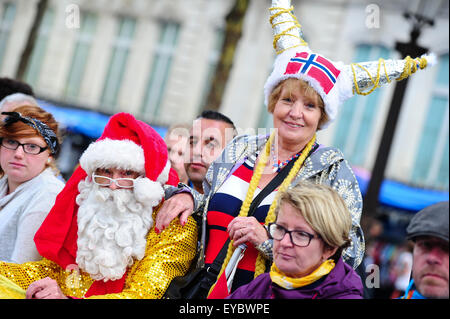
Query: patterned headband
<point x="46" y="132"/>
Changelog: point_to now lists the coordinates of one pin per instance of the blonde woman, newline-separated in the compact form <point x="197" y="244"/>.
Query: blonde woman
<point x="310" y="232"/>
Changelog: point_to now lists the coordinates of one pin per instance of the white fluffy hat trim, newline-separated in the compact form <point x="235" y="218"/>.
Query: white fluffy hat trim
<point x="148" y="192"/>
<point x="107" y="153"/>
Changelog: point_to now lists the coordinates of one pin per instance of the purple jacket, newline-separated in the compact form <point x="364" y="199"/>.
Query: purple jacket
<point x="341" y="283"/>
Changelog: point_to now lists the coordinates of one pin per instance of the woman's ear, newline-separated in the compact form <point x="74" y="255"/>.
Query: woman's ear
<point x="328" y="252"/>
<point x="49" y="162"/>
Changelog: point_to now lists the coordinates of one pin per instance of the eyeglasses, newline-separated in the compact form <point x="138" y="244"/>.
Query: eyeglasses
<point x="28" y="148"/>
<point x="107" y="181"/>
<point x="298" y="238"/>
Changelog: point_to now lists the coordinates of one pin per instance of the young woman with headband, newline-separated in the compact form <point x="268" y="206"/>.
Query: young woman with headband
<point x="28" y="186"/>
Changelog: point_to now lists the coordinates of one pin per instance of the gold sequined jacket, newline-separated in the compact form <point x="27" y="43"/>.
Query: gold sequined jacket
<point x="168" y="254"/>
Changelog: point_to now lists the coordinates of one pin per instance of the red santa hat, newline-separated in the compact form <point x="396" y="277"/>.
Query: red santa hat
<point x="125" y="143"/>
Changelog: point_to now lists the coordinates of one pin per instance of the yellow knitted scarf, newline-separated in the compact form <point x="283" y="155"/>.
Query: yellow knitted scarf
<point x="287" y="282"/>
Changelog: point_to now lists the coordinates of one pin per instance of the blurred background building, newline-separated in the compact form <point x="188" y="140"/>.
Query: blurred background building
<point x="157" y="59"/>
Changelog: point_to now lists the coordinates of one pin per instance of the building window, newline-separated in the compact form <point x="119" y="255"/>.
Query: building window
<point x="213" y="60"/>
<point x="431" y="160"/>
<point x="357" y="116"/>
<point x="80" y="56"/>
<point x="7" y="18"/>
<point x="37" y="57"/>
<point x="160" y="69"/>
<point x="117" y="64"/>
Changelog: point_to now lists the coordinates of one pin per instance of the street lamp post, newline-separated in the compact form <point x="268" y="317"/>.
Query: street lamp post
<point x="412" y="49"/>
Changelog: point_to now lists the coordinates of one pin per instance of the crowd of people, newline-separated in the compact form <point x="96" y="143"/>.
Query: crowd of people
<point x="203" y="213"/>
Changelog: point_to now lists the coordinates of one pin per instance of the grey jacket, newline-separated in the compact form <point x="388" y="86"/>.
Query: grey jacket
<point x="22" y="213"/>
<point x="325" y="166"/>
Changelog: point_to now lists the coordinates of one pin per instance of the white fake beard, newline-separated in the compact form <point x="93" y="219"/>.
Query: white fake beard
<point x="112" y="230"/>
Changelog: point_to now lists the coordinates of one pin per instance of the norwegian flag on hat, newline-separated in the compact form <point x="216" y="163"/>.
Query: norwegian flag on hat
<point x="315" y="66"/>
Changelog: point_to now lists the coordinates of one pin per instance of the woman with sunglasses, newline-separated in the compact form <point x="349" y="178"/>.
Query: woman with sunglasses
<point x="28" y="183"/>
<point x="311" y="230"/>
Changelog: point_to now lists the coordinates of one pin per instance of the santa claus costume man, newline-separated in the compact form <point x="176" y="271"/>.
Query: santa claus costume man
<point x="98" y="241"/>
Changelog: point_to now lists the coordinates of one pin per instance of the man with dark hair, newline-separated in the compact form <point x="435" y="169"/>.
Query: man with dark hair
<point x="213" y="115"/>
<point x="210" y="133"/>
<point x="10" y="86"/>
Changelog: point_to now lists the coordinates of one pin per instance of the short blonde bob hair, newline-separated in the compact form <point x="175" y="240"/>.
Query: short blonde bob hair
<point x="323" y="209"/>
